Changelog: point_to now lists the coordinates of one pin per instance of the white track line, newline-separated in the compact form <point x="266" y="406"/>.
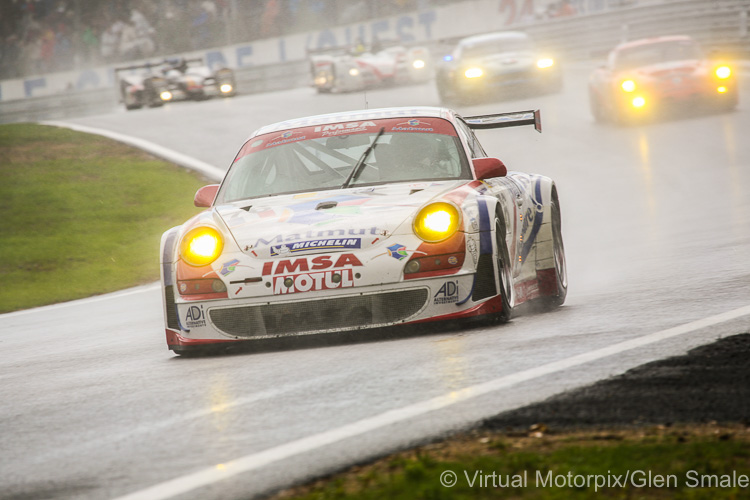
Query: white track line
<point x="204" y="168"/>
<point x="210" y="475"/>
<point x="88" y="300"/>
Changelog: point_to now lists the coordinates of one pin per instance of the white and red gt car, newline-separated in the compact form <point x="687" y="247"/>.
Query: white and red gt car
<point x="360" y="220"/>
<point x="347" y="72"/>
<point x="645" y="78"/>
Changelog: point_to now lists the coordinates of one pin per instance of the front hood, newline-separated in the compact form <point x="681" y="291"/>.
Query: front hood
<point x="327" y="221"/>
<point x="504" y="62"/>
<point x="672" y="69"/>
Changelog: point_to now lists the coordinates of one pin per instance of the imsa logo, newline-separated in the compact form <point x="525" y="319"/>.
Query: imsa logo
<point x="448" y="293"/>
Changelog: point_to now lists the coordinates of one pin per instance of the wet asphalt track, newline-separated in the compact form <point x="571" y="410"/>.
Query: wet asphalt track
<point x="656" y="221"/>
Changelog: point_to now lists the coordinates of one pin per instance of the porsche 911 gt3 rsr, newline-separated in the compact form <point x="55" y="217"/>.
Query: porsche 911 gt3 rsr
<point x="360" y="220"/>
<point x="645" y="77"/>
<point x="498" y="65"/>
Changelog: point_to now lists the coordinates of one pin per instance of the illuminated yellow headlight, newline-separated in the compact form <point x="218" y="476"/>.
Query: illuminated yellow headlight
<point x="354" y="72"/>
<point x="418" y="64"/>
<point x="166" y="95"/>
<point x="723" y="72"/>
<point x="201" y="246"/>
<point x="545" y="63"/>
<point x="473" y="73"/>
<point x="638" y="102"/>
<point x="225" y="88"/>
<point x="628" y="86"/>
<point x="436" y="222"/>
<point x="721" y="90"/>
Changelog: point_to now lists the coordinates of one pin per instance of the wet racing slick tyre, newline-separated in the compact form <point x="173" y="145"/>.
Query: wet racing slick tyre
<point x="558" y="252"/>
<point x="504" y="272"/>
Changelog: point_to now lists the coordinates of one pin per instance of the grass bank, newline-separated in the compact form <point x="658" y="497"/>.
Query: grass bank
<point x="81" y="214"/>
<point x="683" y="462"/>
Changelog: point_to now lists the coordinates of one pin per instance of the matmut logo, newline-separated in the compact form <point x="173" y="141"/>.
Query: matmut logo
<point x="306" y="264"/>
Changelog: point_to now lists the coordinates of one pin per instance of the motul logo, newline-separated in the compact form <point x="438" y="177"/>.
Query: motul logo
<point x="305" y="264"/>
<point x="310" y="282"/>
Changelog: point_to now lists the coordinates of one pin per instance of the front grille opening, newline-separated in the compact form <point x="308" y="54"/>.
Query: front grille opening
<point x="313" y="316"/>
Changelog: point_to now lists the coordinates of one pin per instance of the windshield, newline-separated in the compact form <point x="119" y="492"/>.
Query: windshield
<point x="655" y="53"/>
<point x="495" y="46"/>
<point x="323" y="157"/>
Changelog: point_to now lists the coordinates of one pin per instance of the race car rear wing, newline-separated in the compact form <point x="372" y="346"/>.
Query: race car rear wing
<point x="502" y="120"/>
<point x="157" y="64"/>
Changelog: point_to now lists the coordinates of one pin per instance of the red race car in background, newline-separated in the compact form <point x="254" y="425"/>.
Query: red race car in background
<point x="650" y="76"/>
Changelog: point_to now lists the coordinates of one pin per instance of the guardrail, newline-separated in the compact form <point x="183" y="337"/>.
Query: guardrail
<point x="717" y="24"/>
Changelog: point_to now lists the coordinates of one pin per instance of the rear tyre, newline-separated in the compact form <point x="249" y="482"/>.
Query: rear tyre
<point x="558" y="253"/>
<point x="503" y="270"/>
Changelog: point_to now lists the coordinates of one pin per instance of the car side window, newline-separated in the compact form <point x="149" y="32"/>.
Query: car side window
<point x="477" y="151"/>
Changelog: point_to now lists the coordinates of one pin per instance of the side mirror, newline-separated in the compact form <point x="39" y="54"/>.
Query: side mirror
<point x="487" y="168"/>
<point x="204" y="197"/>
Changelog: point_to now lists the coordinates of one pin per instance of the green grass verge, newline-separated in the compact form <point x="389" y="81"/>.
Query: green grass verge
<point x="81" y="214"/>
<point x="691" y="462"/>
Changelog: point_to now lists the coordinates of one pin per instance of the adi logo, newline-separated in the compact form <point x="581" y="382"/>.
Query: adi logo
<point x="448" y="293"/>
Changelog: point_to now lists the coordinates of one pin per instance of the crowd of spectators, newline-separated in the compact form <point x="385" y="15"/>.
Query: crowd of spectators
<point x="45" y="36"/>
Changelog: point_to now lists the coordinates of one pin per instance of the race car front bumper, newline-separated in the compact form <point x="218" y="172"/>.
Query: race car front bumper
<point x="201" y="323"/>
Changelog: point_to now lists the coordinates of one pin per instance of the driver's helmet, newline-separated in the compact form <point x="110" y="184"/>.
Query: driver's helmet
<point x="178" y="63"/>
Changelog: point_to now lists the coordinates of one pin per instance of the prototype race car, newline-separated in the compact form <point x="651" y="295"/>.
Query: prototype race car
<point x="360" y="220"/>
<point x="344" y="71"/>
<point x="646" y="77"/>
<point x="153" y="84"/>
<point x="197" y="82"/>
<point x="141" y="88"/>
<point x="496" y="65"/>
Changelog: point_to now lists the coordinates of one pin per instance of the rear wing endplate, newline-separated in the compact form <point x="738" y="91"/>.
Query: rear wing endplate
<point x="502" y="120"/>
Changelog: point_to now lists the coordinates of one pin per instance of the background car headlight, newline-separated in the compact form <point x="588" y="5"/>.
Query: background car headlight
<point x="638" y="102"/>
<point x="225" y="88"/>
<point x="201" y="246"/>
<point x="628" y="86"/>
<point x="723" y="72"/>
<point x="473" y="73"/>
<point x="545" y="63"/>
<point x="165" y="95"/>
<point x="436" y="222"/>
<point x="354" y="72"/>
<point x="418" y="64"/>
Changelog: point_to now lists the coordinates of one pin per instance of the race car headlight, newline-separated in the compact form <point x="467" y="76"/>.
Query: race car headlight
<point x="723" y="72"/>
<point x="418" y="64"/>
<point x="628" y="86"/>
<point x="166" y="95"/>
<point x="354" y="72"/>
<point x="473" y="73"/>
<point x="436" y="222"/>
<point x="545" y="63"/>
<point x="201" y="246"/>
<point x="638" y="102"/>
<point x="225" y="88"/>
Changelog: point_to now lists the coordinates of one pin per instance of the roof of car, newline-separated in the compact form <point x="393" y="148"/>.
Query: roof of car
<point x="490" y="37"/>
<point x="656" y="39"/>
<point x="358" y="115"/>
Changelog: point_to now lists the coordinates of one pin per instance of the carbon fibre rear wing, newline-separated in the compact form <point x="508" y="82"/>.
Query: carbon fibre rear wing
<point x="502" y="120"/>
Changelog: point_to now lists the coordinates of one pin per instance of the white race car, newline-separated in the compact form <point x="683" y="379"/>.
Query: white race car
<point x="346" y="72"/>
<point x="360" y="220"/>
